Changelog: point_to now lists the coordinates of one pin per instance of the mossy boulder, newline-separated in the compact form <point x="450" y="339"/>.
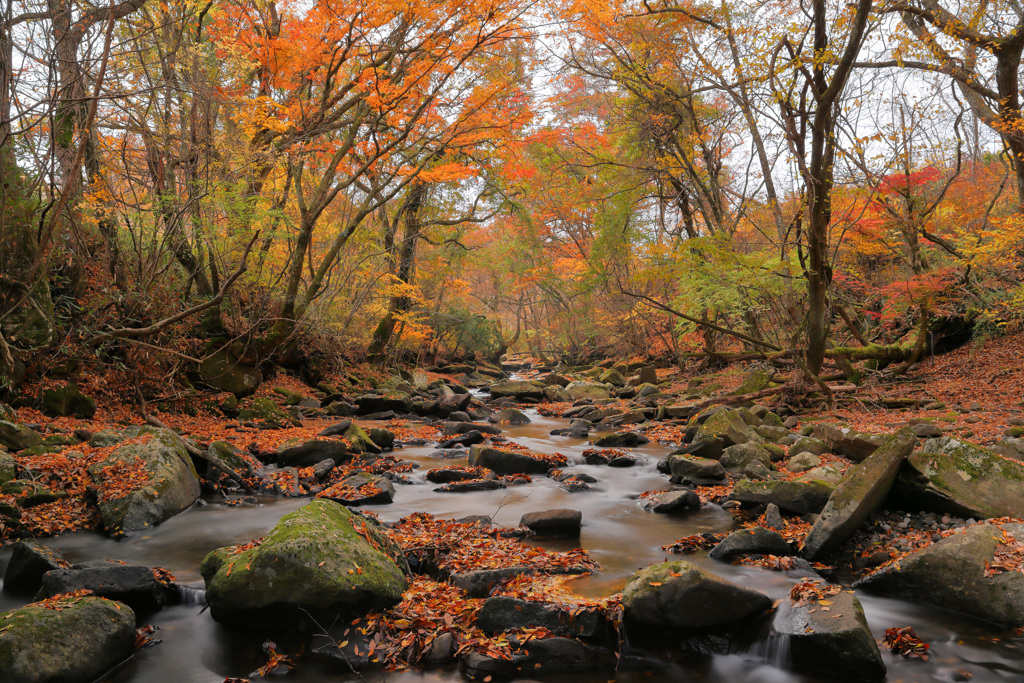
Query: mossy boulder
<point x="17" y="437"/>
<point x="8" y="467"/>
<point x="729" y="426"/>
<point x="800" y="497"/>
<point x="360" y="441"/>
<point x="67" y="401"/>
<point x="949" y="475"/>
<point x="754" y="381"/>
<point x="862" y="491"/>
<point x="613" y="377"/>
<point x="517" y="389"/>
<point x="230" y="456"/>
<point x="692" y="467"/>
<point x="682" y="596"/>
<point x="593" y="390"/>
<point x="836" y="642"/>
<point x="29" y="494"/>
<point x="224" y="372"/>
<point x="953" y="574"/>
<point x="171" y="484"/>
<point x="316" y="560"/>
<point x="267" y="414"/>
<point x="737" y="457"/>
<point x="76" y="643"/>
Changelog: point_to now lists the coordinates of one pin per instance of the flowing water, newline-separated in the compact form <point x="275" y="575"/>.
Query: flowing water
<point x="618" y="534"/>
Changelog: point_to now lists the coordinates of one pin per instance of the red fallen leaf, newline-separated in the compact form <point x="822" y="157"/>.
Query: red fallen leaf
<point x="655" y="583"/>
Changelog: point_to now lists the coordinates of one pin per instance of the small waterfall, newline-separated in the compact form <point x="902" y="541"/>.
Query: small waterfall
<point x="772" y="650"/>
<point x="187" y="595"/>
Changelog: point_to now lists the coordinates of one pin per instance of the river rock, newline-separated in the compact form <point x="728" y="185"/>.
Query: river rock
<point x="692" y="467"/>
<point x="669" y="502"/>
<point x="368" y="404"/>
<point x="581" y="389"/>
<point x="558" y="521"/>
<point x="620" y="440"/>
<point x="808" y="444"/>
<point x="359" y="441"/>
<point x="737" y="457"/>
<point x="561" y="655"/>
<point x="517" y="390"/>
<point x="613" y="377"/>
<point x="471" y="485"/>
<point x="845" y="440"/>
<point x="502" y="613"/>
<point x="67" y="401"/>
<point x="951" y="574"/>
<point x="949" y="475"/>
<point x="729" y="426"/>
<point x="171" y="484"/>
<point x="29" y="561"/>
<point x="826" y="474"/>
<point x="336" y="429"/>
<point x="556" y="394"/>
<point x="753" y="541"/>
<point x="793" y="496"/>
<point x="455" y="428"/>
<point x="313" y="559"/>
<point x="380" y="490"/>
<point x="836" y="642"/>
<point x="8" y="467"/>
<point x="680" y="595"/>
<point x="267" y="415"/>
<point x="465" y="440"/>
<point x="74" y="644"/>
<point x="17" y="437"/>
<point x="860" y="493"/>
<point x="509" y="416"/>
<point x="302" y="453"/>
<point x="1010" y="448"/>
<point x="507" y="462"/>
<point x="710" y="448"/>
<point x="449" y="405"/>
<point x="134" y="585"/>
<point x="803" y="462"/>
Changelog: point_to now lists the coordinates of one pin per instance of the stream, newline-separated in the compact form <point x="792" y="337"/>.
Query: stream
<point x="616" y="532"/>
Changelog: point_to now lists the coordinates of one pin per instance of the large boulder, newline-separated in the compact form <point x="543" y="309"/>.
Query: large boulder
<point x="509" y="416"/>
<point x="671" y="502"/>
<point x="17" y="437"/>
<point x="845" y="440"/>
<point x="860" y="493"/>
<point x="517" y="389"/>
<point x="954" y="573"/>
<point x="399" y="402"/>
<point x="581" y="389"/>
<point x="831" y="636"/>
<point x="507" y="462"/>
<point x="222" y="371"/>
<point x="953" y="476"/>
<point x="321" y="559"/>
<point x="620" y="440"/>
<point x="73" y="641"/>
<point x="67" y="401"/>
<point x="681" y="595"/>
<point x="143" y="484"/>
<point x="800" y="497"/>
<point x="613" y="377"/>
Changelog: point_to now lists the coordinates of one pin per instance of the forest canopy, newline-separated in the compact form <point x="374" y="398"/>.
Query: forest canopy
<point x="304" y="183"/>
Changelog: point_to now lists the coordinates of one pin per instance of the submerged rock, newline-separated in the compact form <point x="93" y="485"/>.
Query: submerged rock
<point x="171" y="484"/>
<point x="680" y="595"/>
<point x="314" y="560"/>
<point x="952" y="574"/>
<point x="76" y="643"/>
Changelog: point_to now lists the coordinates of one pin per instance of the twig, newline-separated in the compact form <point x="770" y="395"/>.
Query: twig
<point x="326" y="634"/>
